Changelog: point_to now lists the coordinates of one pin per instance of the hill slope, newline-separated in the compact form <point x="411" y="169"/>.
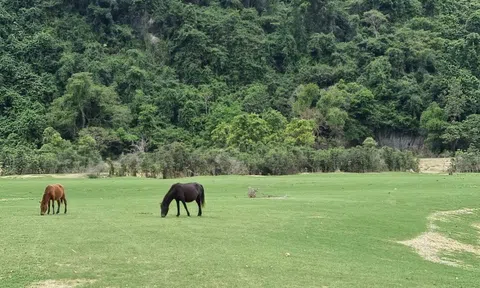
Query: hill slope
<point x="158" y="71"/>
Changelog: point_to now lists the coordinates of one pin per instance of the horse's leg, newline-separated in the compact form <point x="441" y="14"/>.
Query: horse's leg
<point x="65" y="203"/>
<point x="48" y="211"/>
<point x="58" y="208"/>
<point x="178" y="207"/>
<point x="53" y="207"/>
<point x="199" y="207"/>
<point x="185" y="205"/>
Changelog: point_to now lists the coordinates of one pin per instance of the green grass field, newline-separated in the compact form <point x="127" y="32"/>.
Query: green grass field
<point x="332" y="230"/>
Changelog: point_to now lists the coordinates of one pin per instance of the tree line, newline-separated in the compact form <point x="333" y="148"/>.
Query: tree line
<point x="100" y="81"/>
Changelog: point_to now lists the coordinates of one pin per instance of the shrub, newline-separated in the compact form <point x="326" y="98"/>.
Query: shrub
<point x="399" y="161"/>
<point x="178" y="160"/>
<point x="467" y="161"/>
<point x="96" y="170"/>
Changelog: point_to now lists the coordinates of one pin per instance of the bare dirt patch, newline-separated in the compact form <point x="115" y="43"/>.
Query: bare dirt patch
<point x="61" y="283"/>
<point x="434" y="165"/>
<point x="434" y="246"/>
<point x="430" y="245"/>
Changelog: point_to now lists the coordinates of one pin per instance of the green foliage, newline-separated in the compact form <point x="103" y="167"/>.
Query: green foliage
<point x="86" y="104"/>
<point x="246" y="131"/>
<point x="299" y="132"/>
<point x="369" y="143"/>
<point x="233" y="75"/>
<point x="467" y="161"/>
<point x="433" y="121"/>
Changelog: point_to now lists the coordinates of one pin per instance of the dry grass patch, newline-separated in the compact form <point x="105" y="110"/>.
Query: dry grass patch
<point x="445" y="216"/>
<point x="14" y="199"/>
<point x="434" y="165"/>
<point x="431" y="245"/>
<point x="56" y="176"/>
<point x="61" y="283"/>
<point x="434" y="246"/>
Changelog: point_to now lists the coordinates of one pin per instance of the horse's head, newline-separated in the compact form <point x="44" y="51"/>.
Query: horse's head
<point x="43" y="208"/>
<point x="163" y="209"/>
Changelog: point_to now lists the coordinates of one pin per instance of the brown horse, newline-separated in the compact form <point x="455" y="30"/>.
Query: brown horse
<point x="184" y="192"/>
<point x="53" y="192"/>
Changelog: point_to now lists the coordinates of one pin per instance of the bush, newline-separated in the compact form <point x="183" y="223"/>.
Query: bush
<point x="279" y="161"/>
<point x="97" y="170"/>
<point x="179" y="160"/>
<point x="363" y="159"/>
<point x="221" y="162"/>
<point x="467" y="161"/>
<point x="399" y="161"/>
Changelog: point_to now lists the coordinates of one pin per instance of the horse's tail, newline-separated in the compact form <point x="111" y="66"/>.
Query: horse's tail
<point x="202" y="195"/>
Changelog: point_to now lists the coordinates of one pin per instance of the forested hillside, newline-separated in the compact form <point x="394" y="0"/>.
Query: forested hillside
<point x="86" y="80"/>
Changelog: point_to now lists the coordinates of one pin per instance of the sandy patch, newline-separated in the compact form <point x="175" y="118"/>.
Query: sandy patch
<point x="434" y="246"/>
<point x="60" y="283"/>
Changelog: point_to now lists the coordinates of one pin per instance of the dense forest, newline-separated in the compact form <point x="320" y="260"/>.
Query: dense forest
<point x="180" y="87"/>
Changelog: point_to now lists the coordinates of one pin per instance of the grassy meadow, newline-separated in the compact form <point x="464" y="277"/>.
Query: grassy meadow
<point x="331" y="230"/>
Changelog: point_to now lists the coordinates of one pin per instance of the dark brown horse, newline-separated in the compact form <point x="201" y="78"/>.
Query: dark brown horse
<point x="184" y="192"/>
<point x="53" y="192"/>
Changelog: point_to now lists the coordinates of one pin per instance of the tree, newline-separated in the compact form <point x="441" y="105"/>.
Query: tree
<point x="376" y="21"/>
<point x="306" y="97"/>
<point x="276" y="122"/>
<point x="255" y="98"/>
<point x="471" y="129"/>
<point x="248" y="130"/>
<point x="455" y="101"/>
<point x="87" y="104"/>
<point x="434" y="121"/>
<point x="473" y="22"/>
<point x="299" y="132"/>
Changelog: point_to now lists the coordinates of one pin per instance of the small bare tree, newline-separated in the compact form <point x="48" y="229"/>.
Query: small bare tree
<point x="141" y="145"/>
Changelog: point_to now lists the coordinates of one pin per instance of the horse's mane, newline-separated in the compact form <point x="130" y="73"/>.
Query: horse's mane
<point x="168" y="196"/>
<point x="45" y="197"/>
